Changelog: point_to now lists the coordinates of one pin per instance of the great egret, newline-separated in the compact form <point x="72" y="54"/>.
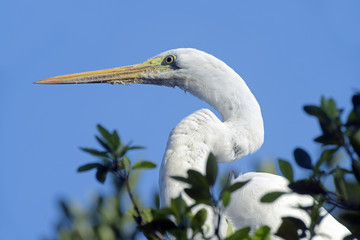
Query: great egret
<point x="239" y="133"/>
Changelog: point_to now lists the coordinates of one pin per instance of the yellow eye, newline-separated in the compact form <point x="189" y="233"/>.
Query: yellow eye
<point x="169" y="59"/>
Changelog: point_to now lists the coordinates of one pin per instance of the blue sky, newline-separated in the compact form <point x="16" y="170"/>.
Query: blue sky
<point x="289" y="53"/>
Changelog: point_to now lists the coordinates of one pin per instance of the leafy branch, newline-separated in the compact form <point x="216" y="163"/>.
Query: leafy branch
<point x="336" y="134"/>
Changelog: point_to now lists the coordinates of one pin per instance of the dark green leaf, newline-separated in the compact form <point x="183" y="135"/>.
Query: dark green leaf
<point x="355" y="141"/>
<point x="89" y="166"/>
<point x="329" y="107"/>
<point x="161" y="225"/>
<point x="104" y="144"/>
<point x="178" y="206"/>
<point x="236" y="186"/>
<point x="115" y="139"/>
<point x="143" y="165"/>
<point x="197" y="179"/>
<point x="326" y="156"/>
<point x="225" y="198"/>
<point x="356" y="169"/>
<point x="263" y="233"/>
<point x="95" y="152"/>
<point x="200" y="195"/>
<point x="122" y="151"/>
<point x="200" y="217"/>
<point x="240" y="234"/>
<point x="181" y="179"/>
<point x="353" y="120"/>
<point x="135" y="147"/>
<point x="307" y="186"/>
<point x="101" y="174"/>
<point x="302" y="158"/>
<point x="107" y="136"/>
<point x="356" y="103"/>
<point x="327" y="139"/>
<point x="316" y="111"/>
<point x="161" y="213"/>
<point x="271" y="197"/>
<point x="211" y="169"/>
<point x="351" y="218"/>
<point x="286" y="170"/>
<point x="66" y="210"/>
<point x="291" y="228"/>
<point x="348" y="191"/>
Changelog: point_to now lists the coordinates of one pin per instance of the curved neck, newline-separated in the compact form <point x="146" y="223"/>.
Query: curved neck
<point x="190" y="142"/>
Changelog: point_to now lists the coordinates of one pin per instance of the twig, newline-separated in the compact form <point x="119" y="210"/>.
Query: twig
<point x="139" y="219"/>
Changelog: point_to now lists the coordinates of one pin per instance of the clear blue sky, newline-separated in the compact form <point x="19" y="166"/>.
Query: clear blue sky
<point x="289" y="53"/>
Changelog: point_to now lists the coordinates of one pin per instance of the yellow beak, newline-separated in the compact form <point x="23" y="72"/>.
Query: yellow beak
<point x="137" y="73"/>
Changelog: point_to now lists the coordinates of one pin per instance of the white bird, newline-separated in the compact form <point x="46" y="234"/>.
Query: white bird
<point x="239" y="133"/>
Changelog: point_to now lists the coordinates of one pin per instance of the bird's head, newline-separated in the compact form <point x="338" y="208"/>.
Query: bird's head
<point x="183" y="67"/>
<point x="190" y="69"/>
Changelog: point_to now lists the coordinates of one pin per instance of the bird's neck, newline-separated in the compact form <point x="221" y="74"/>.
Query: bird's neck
<point x="240" y="112"/>
<point x="240" y="133"/>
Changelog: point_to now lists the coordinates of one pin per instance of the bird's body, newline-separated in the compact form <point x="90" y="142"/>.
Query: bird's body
<point x="239" y="133"/>
<point x="246" y="210"/>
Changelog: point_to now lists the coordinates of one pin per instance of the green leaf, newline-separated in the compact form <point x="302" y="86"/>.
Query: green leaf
<point x="162" y="225"/>
<point x="122" y="151"/>
<point x="229" y="230"/>
<point x="135" y="147"/>
<point x="225" y="198"/>
<point x="107" y="136"/>
<point x="115" y="139"/>
<point x="200" y="218"/>
<point x="307" y="186"/>
<point x="327" y="140"/>
<point x="66" y="210"/>
<point x="199" y="195"/>
<point x="271" y="197"/>
<point x="197" y="179"/>
<point x="126" y="162"/>
<point x="211" y="169"/>
<point x="326" y="156"/>
<point x="348" y="191"/>
<point x="143" y="165"/>
<point x="302" y="158"/>
<point x="236" y="186"/>
<point x="95" y="152"/>
<point x="316" y="111"/>
<point x="329" y="107"/>
<point x="181" y="179"/>
<point x="179" y="207"/>
<point x="286" y="170"/>
<point x="352" y="219"/>
<point x="291" y="228"/>
<point x="240" y="234"/>
<point x="101" y="173"/>
<point x="89" y="166"/>
<point x="103" y="144"/>
<point x="263" y="233"/>
<point x="356" y="103"/>
<point x="199" y="187"/>
<point x="355" y="141"/>
<point x="356" y="169"/>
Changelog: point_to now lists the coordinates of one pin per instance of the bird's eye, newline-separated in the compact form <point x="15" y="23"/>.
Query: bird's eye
<point x="169" y="59"/>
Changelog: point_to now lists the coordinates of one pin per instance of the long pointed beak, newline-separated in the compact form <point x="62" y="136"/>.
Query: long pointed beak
<point x="122" y="75"/>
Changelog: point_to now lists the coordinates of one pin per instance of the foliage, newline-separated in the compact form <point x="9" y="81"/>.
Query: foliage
<point x="112" y="217"/>
<point x="181" y="220"/>
<point x="337" y="135"/>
